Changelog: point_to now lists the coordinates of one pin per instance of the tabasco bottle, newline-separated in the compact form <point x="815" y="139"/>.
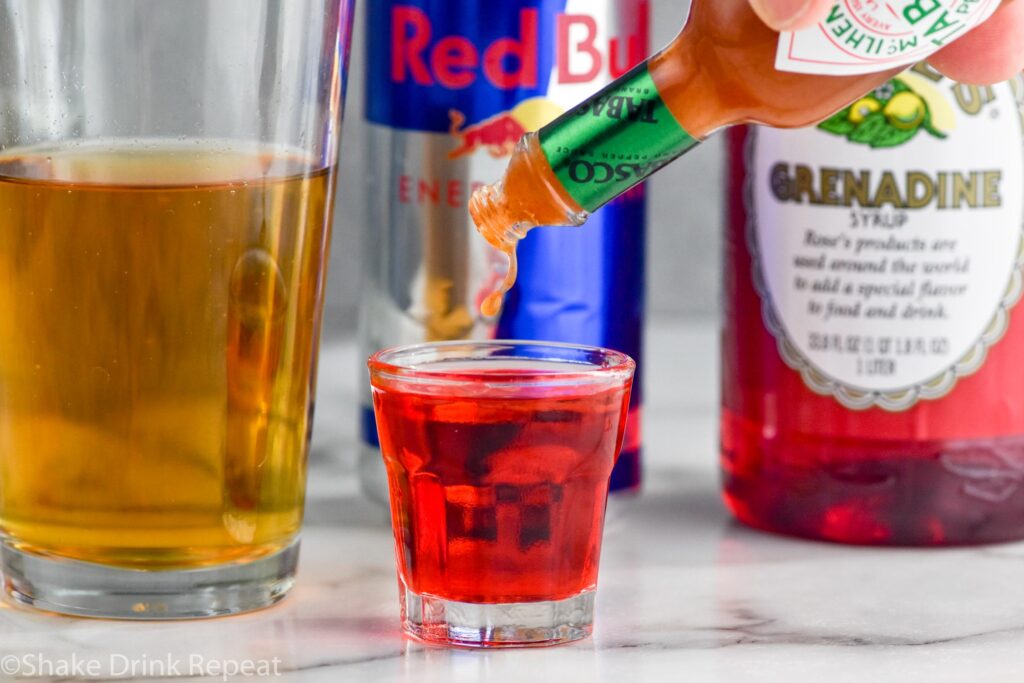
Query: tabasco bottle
<point x="726" y="67"/>
<point x="873" y="354"/>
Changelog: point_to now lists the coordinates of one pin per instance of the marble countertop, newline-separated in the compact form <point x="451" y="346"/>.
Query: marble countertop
<point x="685" y="593"/>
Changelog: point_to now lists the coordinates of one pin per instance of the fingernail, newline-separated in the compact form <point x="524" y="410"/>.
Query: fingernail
<point x="782" y="15"/>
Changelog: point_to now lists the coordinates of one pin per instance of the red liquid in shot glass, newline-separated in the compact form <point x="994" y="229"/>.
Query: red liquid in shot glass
<point x="499" y="499"/>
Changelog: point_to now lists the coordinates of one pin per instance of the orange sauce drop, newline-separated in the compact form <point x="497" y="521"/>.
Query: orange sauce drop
<point x="491" y="306"/>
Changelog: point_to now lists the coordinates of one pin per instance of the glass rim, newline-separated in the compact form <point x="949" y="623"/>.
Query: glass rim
<point x="387" y="364"/>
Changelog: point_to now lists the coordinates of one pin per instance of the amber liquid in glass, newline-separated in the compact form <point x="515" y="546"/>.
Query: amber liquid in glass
<point x="159" y="319"/>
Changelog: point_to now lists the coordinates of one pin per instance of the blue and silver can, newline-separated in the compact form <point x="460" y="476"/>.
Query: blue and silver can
<point x="451" y="87"/>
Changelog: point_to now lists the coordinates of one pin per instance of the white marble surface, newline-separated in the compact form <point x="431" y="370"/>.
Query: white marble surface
<point x="685" y="594"/>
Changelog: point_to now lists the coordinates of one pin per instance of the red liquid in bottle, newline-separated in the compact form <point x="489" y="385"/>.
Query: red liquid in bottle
<point x="933" y="455"/>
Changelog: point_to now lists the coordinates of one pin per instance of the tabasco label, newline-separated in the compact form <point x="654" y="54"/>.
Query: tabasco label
<point x="887" y="243"/>
<point x="864" y="36"/>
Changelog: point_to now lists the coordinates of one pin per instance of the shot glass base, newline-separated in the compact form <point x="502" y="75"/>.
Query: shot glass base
<point x="523" y="624"/>
<point x="93" y="590"/>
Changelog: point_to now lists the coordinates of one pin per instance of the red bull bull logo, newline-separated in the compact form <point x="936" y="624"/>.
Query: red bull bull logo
<point x="499" y="134"/>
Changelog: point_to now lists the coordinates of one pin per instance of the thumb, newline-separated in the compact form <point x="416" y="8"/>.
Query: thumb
<point x="790" y="15"/>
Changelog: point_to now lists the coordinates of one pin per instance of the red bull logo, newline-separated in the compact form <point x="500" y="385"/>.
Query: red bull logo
<point x="499" y="134"/>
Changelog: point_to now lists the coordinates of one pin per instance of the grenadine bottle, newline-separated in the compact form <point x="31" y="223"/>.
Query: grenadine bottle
<point x="873" y="351"/>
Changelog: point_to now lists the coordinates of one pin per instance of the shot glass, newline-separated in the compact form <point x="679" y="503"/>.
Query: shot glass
<point x="498" y="457"/>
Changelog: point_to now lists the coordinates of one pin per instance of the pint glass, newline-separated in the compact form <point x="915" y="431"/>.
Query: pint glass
<point x="166" y="189"/>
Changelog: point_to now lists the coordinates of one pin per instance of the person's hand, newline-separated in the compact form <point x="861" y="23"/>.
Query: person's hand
<point x="990" y="53"/>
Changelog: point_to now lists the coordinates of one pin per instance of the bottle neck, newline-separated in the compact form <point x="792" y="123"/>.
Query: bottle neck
<point x="529" y="195"/>
<point x="614" y="140"/>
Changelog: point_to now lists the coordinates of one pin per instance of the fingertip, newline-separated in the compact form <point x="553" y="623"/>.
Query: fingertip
<point x="974" y="73"/>
<point x="991" y="53"/>
<point x="791" y="15"/>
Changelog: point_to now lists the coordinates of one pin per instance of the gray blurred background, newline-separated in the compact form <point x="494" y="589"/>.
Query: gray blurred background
<point x="685" y="211"/>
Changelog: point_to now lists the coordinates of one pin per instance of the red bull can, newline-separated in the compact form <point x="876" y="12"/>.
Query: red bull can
<point x="452" y="85"/>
